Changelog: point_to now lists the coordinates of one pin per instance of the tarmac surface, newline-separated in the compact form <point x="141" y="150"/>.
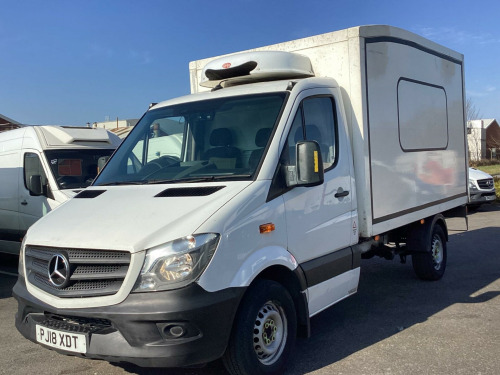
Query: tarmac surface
<point x="395" y="324"/>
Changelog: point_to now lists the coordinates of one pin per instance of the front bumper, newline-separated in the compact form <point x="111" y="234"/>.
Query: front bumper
<point x="138" y="330"/>
<point x="482" y="196"/>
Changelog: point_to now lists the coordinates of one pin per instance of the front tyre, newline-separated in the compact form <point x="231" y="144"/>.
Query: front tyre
<point x="431" y="264"/>
<point x="264" y="331"/>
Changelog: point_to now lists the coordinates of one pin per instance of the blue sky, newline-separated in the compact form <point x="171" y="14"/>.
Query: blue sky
<point x="72" y="62"/>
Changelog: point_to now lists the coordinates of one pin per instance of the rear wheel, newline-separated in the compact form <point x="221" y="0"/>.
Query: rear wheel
<point x="431" y="264"/>
<point x="264" y="332"/>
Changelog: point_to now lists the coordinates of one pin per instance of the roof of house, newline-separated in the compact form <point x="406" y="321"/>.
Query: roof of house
<point x="482" y="123"/>
<point x="8" y="124"/>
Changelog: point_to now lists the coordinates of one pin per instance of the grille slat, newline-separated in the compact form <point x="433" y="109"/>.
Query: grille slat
<point x="99" y="272"/>
<point x="92" y="272"/>
<point x="39" y="266"/>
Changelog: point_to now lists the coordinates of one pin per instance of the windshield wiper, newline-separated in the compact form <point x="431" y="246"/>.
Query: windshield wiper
<point x="118" y="183"/>
<point x="199" y="179"/>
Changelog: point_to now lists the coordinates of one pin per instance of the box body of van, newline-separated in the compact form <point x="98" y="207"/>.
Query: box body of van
<point x="229" y="217"/>
<point x="42" y="167"/>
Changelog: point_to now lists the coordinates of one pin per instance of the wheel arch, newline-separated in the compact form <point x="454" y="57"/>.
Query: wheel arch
<point x="419" y="234"/>
<point x="295" y="283"/>
<point x="440" y="220"/>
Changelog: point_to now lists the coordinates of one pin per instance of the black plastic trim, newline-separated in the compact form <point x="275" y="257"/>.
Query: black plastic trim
<point x="418" y="208"/>
<point x="89" y="193"/>
<point x="232" y="72"/>
<point x="200" y="191"/>
<point x="328" y="266"/>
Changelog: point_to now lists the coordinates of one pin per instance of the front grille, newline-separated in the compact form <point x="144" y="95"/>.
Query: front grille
<point x="71" y="323"/>
<point x="92" y="273"/>
<point x="487" y="183"/>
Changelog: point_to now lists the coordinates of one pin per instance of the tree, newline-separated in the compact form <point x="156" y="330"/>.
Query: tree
<point x="471" y="111"/>
<point x="475" y="136"/>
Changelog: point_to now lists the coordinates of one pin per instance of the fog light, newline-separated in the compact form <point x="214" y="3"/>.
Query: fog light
<point x="176" y="331"/>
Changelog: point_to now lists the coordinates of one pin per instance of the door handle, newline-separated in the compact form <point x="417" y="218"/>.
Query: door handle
<point x="24" y="203"/>
<point x="341" y="194"/>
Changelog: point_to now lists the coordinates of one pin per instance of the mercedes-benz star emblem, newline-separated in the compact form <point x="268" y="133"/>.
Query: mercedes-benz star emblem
<point x="59" y="271"/>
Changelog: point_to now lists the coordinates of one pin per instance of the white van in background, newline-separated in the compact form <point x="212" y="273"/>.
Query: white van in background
<point x="42" y="167"/>
<point x="481" y="188"/>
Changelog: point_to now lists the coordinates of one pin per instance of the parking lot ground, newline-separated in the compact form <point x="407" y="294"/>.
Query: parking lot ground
<point x="395" y="324"/>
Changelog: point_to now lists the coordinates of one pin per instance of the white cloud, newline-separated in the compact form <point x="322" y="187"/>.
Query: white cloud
<point x="476" y="94"/>
<point x="481" y="92"/>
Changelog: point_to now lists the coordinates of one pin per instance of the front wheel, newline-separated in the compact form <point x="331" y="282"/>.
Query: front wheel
<point x="264" y="332"/>
<point x="431" y="264"/>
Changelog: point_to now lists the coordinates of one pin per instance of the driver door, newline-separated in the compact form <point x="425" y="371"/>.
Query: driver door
<point x="319" y="218"/>
<point x="32" y="207"/>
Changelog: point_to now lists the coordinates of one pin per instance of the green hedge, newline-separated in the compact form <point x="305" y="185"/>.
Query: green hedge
<point x="483" y="162"/>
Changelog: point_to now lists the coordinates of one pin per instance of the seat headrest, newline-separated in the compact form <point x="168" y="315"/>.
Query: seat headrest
<point x="262" y="137"/>
<point x="313" y="133"/>
<point x="221" y="137"/>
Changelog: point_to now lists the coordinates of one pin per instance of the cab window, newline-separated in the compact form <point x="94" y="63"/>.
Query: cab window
<point x="315" y="121"/>
<point x="33" y="167"/>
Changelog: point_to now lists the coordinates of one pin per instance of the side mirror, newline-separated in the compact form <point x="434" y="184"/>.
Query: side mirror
<point x="101" y="162"/>
<point x="309" y="170"/>
<point x="35" y="185"/>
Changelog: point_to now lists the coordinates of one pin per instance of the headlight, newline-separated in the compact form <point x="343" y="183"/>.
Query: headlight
<point x="177" y="263"/>
<point x="472" y="185"/>
<point x="20" y="266"/>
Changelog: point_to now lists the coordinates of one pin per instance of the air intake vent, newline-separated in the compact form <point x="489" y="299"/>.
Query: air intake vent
<point x="89" y="193"/>
<point x="189" y="192"/>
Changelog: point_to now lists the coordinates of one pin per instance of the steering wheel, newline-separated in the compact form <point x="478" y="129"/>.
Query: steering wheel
<point x="157" y="164"/>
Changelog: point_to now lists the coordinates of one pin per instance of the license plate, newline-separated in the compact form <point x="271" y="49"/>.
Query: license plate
<point x="72" y="342"/>
<point x="490" y="197"/>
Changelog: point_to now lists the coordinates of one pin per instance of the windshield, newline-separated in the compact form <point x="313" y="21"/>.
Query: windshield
<point x="218" y="139"/>
<point x="75" y="169"/>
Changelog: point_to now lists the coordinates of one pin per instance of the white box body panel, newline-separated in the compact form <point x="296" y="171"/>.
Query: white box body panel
<point x="403" y="97"/>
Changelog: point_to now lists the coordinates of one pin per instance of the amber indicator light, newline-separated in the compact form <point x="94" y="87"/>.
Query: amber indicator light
<point x="266" y="228"/>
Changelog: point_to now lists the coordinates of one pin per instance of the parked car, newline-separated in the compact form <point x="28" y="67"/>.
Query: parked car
<point x="481" y="187"/>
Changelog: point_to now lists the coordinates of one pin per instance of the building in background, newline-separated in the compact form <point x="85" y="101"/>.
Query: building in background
<point x="483" y="138"/>
<point x="120" y="127"/>
<point x="8" y="124"/>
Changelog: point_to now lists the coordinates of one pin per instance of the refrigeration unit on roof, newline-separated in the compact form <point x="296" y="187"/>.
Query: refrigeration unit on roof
<point x="255" y="66"/>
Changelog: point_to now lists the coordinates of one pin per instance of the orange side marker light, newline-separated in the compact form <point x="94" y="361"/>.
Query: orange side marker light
<point x="266" y="228"/>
